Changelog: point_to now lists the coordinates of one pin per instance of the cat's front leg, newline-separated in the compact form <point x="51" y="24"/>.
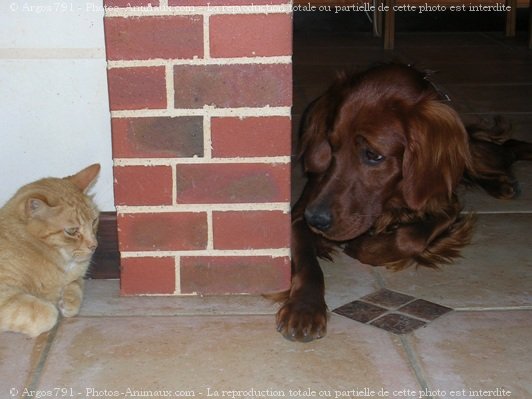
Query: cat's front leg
<point x="71" y="298"/>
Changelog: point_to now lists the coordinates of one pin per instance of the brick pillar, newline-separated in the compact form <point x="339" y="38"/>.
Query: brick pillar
<point x="200" y="94"/>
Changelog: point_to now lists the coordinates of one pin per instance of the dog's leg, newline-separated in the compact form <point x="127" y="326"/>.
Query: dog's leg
<point x="303" y="316"/>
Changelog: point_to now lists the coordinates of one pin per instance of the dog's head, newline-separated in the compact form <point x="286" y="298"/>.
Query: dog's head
<point x="375" y="141"/>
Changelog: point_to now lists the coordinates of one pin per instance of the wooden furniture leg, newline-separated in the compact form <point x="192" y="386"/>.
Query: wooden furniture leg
<point x="511" y="17"/>
<point x="389" y="25"/>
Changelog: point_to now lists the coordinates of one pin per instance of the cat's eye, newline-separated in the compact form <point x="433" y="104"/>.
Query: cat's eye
<point x="71" y="231"/>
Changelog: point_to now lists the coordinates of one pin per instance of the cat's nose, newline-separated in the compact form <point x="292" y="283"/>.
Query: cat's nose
<point x="93" y="246"/>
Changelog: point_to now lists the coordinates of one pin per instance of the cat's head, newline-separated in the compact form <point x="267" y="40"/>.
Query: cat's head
<point x="60" y="214"/>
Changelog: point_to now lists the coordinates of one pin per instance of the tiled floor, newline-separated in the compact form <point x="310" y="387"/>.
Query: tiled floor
<point x="204" y="346"/>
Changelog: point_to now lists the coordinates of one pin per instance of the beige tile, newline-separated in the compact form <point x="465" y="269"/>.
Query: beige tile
<point x="495" y="271"/>
<point x="477" y="351"/>
<point x="220" y="353"/>
<point x="102" y="298"/>
<point x="346" y="279"/>
<point x="19" y="358"/>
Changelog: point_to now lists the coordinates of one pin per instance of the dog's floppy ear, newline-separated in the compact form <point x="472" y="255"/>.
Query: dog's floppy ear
<point x="314" y="148"/>
<point x="436" y="153"/>
<point x="317" y="122"/>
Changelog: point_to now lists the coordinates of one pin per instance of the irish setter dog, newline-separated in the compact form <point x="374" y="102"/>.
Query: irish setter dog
<point x="384" y="155"/>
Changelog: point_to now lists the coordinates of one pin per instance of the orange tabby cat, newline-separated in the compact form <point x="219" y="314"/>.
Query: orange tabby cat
<point x="47" y="238"/>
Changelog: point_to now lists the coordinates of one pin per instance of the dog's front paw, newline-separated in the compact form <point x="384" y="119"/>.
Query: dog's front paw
<point x="301" y="319"/>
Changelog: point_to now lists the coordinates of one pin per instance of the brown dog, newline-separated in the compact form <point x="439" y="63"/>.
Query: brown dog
<point x="384" y="155"/>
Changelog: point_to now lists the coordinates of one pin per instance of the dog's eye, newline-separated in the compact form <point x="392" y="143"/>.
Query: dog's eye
<point x="371" y="157"/>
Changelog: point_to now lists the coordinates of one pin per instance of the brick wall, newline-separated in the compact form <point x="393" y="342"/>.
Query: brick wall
<point x="200" y="97"/>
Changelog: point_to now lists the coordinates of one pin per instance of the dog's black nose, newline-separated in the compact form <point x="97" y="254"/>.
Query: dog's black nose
<point x="320" y="218"/>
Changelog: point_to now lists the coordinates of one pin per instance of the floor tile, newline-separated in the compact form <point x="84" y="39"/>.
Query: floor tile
<point x="387" y="298"/>
<point x="346" y="279"/>
<point x="20" y="357"/>
<point x="360" y="311"/>
<point x="494" y="272"/>
<point x="477" y="351"/>
<point x="220" y="353"/>
<point x="398" y="323"/>
<point x="424" y="309"/>
<point x="392" y="311"/>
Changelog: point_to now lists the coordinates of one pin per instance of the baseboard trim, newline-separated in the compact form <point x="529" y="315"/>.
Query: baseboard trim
<point x="106" y="260"/>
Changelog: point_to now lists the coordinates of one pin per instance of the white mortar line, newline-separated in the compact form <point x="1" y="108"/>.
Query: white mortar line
<point x="281" y="59"/>
<point x="242" y="112"/>
<point x="273" y="252"/>
<point x="177" y="276"/>
<point x="207" y="139"/>
<point x="210" y="231"/>
<point x="199" y="160"/>
<point x="174" y="186"/>
<point x="206" y="38"/>
<point x="170" y="94"/>
<point x="198" y="208"/>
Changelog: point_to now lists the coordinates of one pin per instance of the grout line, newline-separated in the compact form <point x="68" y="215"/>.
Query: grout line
<point x="210" y="231"/>
<point x="206" y="38"/>
<point x="415" y="364"/>
<point x="207" y="139"/>
<point x="177" y="276"/>
<point x="170" y="90"/>
<point x="494" y="308"/>
<point x="174" y="187"/>
<point x="36" y="372"/>
<point x="271" y="252"/>
<point x="155" y="62"/>
<point x="241" y="112"/>
<point x="378" y="278"/>
<point x="507" y="212"/>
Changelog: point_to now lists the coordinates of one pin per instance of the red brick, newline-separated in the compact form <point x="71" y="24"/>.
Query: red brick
<point x="242" y="85"/>
<point x="157" y="137"/>
<point x="251" y="230"/>
<point x="130" y="3"/>
<point x="234" y="275"/>
<point x="251" y="137"/>
<point x="143" y="185"/>
<point x="162" y="231"/>
<point x="147" y="276"/>
<point x="253" y="35"/>
<point x="233" y="183"/>
<point x="166" y="37"/>
<point x="136" y="88"/>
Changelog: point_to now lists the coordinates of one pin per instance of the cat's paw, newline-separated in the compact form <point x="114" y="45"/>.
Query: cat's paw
<point x="38" y="317"/>
<point x="69" y="307"/>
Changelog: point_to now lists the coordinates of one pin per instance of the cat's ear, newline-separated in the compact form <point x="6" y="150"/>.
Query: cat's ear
<point x="36" y="207"/>
<point x="84" y="178"/>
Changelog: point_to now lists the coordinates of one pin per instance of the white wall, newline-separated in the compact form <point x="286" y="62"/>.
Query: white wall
<point x="54" y="112"/>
